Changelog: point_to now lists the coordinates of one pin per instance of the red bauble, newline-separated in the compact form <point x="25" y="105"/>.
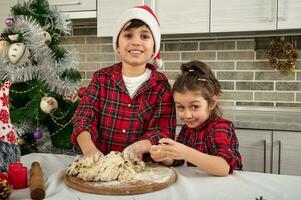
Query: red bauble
<point x="82" y="91"/>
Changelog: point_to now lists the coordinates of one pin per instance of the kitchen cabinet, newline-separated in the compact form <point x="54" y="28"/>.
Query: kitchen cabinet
<point x="190" y="16"/>
<point x="255" y="15"/>
<point x="289" y="14"/>
<point x="236" y="15"/>
<point x="76" y="9"/>
<point x="5" y="11"/>
<point x="255" y="147"/>
<point x="277" y="152"/>
<point x="108" y="13"/>
<point x="287" y="152"/>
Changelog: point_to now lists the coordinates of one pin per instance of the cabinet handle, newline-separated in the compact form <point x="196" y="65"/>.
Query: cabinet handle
<point x="270" y="17"/>
<point x="68" y="3"/>
<point x="279" y="157"/>
<point x="264" y="155"/>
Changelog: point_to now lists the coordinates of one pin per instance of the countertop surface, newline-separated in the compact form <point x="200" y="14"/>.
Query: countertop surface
<point x="263" y="118"/>
<point x="191" y="183"/>
<point x="280" y="119"/>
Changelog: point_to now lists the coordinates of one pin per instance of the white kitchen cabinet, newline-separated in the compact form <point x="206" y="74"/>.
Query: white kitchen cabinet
<point x="5" y="6"/>
<point x="108" y="13"/>
<point x="286" y="152"/>
<point x="289" y="14"/>
<point x="237" y="15"/>
<point x="277" y="152"/>
<point x="76" y="9"/>
<point x="189" y="16"/>
<point x="255" y="148"/>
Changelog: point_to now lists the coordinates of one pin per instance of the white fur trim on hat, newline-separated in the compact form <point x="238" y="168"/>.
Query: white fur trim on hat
<point x="143" y="15"/>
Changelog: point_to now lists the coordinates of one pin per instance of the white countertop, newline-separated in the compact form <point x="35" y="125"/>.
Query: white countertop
<point x="191" y="183"/>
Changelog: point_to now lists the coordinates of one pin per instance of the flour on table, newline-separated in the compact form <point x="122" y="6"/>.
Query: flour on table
<point x="113" y="166"/>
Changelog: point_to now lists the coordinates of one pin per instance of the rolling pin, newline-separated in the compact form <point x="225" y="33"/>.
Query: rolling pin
<point x="36" y="182"/>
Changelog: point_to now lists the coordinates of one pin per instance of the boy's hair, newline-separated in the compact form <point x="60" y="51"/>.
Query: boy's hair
<point x="196" y="76"/>
<point x="134" y="23"/>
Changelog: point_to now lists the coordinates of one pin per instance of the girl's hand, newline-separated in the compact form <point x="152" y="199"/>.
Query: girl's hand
<point x="157" y="156"/>
<point x="172" y="149"/>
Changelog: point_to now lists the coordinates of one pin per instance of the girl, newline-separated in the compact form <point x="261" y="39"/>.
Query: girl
<point x="206" y="140"/>
<point x="128" y="106"/>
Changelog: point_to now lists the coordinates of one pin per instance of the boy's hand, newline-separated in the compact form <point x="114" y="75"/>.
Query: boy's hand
<point x="138" y="148"/>
<point x="94" y="152"/>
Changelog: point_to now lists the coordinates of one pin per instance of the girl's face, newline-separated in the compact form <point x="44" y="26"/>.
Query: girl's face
<point x="192" y="108"/>
<point x="135" y="46"/>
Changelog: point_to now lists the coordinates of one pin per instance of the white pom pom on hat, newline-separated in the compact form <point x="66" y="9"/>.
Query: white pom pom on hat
<point x="145" y="14"/>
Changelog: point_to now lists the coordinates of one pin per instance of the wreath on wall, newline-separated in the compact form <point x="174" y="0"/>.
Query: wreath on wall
<point x="282" y="47"/>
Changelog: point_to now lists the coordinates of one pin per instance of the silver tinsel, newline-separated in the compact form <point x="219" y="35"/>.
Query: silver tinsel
<point x="47" y="69"/>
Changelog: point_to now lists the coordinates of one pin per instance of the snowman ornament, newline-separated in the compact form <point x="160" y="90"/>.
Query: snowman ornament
<point x="18" y="53"/>
<point x="48" y="105"/>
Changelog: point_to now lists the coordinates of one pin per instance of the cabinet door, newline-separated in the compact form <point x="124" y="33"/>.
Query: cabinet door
<point x="289" y="14"/>
<point x="255" y="149"/>
<point x="237" y="15"/>
<point x="108" y="13"/>
<point x="177" y="16"/>
<point x="287" y="153"/>
<point x="76" y="9"/>
<point x="5" y="11"/>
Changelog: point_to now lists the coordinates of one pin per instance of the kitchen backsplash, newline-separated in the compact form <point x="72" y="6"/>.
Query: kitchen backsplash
<point x="240" y="64"/>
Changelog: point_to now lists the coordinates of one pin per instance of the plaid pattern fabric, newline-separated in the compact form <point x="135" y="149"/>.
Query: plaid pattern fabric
<point x="216" y="137"/>
<point x="115" y="121"/>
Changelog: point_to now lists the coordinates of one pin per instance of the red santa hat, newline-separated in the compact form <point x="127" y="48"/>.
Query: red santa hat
<point x="145" y="14"/>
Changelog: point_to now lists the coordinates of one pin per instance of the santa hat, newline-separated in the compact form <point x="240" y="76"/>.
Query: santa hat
<point x="145" y="14"/>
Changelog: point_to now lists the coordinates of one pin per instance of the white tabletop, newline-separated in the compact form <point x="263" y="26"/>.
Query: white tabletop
<point x="191" y="183"/>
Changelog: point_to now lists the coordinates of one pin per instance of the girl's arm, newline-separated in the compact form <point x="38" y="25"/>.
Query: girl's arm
<point x="213" y="164"/>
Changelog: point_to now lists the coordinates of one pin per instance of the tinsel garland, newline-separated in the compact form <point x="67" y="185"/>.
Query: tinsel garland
<point x="43" y="66"/>
<point x="289" y="50"/>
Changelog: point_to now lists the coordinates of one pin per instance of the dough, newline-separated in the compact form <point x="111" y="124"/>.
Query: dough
<point x="113" y="166"/>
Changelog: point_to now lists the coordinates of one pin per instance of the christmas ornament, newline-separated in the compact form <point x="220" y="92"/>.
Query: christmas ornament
<point x="289" y="50"/>
<point x="3" y="45"/>
<point x="82" y="91"/>
<point x="20" y="141"/>
<point x="73" y="97"/>
<point x="18" y="53"/>
<point x="4" y="186"/>
<point x="13" y="37"/>
<point x="38" y="134"/>
<point x="48" y="104"/>
<point x="4" y="189"/>
<point x="1" y="37"/>
<point x="9" y="22"/>
<point x="47" y="37"/>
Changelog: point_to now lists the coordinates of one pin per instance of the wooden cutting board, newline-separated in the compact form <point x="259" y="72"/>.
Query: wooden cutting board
<point x="154" y="177"/>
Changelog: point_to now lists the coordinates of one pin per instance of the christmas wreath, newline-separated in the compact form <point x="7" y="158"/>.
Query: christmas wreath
<point x="282" y="47"/>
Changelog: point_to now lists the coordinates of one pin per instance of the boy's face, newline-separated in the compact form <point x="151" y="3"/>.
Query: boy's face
<point x="191" y="108"/>
<point x="135" y="46"/>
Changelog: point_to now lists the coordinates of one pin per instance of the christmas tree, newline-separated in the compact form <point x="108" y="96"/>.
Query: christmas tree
<point x="43" y="94"/>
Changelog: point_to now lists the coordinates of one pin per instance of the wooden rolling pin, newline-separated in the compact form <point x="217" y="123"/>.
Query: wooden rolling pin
<point x="36" y="182"/>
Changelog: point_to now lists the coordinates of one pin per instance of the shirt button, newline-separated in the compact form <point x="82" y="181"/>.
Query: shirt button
<point x="123" y="131"/>
<point x="129" y="105"/>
